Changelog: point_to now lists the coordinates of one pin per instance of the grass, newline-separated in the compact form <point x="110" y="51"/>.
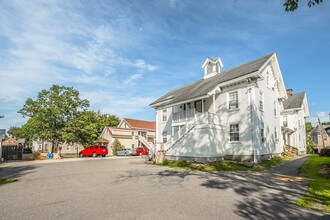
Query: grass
<point x="317" y="170"/>
<point x="6" y="180"/>
<point x="226" y="165"/>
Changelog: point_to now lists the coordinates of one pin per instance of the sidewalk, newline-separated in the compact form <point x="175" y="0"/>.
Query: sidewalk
<point x="289" y="168"/>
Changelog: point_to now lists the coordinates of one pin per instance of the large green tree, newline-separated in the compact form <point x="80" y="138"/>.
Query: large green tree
<point x="292" y="5"/>
<point x="87" y="126"/>
<point x="50" y="112"/>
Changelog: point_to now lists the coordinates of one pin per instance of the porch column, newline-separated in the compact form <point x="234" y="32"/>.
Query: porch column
<point x="213" y="103"/>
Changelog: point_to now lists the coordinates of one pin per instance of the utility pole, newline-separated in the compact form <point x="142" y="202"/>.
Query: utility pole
<point x="321" y="130"/>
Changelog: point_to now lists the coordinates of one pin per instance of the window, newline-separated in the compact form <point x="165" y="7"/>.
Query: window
<point x="198" y="106"/>
<point x="268" y="79"/>
<point x="261" y="101"/>
<point x="164" y="115"/>
<point x="75" y="147"/>
<point x="262" y="132"/>
<point x="285" y="121"/>
<point x="164" y="136"/>
<point x="233" y="100"/>
<point x="40" y="147"/>
<point x="275" y="132"/>
<point x="234" y="132"/>
<point x="132" y="133"/>
<point x="67" y="147"/>
<point x="132" y="145"/>
<point x="275" y="108"/>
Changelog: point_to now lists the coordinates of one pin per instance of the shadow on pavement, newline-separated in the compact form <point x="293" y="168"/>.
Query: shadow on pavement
<point x="15" y="172"/>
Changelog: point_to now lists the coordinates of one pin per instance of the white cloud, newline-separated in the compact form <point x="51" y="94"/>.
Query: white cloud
<point x="322" y="114"/>
<point x="132" y="79"/>
<point x="141" y="65"/>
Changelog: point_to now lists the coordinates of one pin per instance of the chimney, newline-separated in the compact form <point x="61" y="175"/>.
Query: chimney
<point x="289" y="92"/>
<point x="211" y="67"/>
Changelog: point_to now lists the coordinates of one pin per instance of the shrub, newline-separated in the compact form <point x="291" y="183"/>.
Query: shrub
<point x="116" y="146"/>
<point x="183" y="163"/>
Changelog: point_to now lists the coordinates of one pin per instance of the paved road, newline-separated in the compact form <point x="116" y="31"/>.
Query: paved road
<point x="109" y="188"/>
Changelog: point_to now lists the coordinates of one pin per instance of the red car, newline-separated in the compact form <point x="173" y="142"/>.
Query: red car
<point x="141" y="151"/>
<point x="94" y="150"/>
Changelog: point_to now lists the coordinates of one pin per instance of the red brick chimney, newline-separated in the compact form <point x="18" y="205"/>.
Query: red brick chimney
<point x="289" y="92"/>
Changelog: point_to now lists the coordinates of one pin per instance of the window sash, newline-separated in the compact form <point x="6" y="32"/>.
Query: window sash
<point x="164" y="136"/>
<point x="234" y="132"/>
<point x="164" y="115"/>
<point x="233" y="100"/>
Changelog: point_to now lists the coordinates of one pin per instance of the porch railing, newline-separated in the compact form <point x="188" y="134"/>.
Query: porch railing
<point x="183" y="116"/>
<point x="198" y="118"/>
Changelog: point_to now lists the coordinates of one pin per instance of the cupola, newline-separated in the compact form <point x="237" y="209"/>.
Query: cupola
<point x="211" y="67"/>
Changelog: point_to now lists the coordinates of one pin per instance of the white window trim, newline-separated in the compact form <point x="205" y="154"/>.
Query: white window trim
<point x="162" y="115"/>
<point x="228" y="99"/>
<point x="262" y="99"/>
<point x="239" y="139"/>
<point x="68" y="147"/>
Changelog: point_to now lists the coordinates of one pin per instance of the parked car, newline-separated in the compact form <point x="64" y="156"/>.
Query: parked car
<point x="141" y="151"/>
<point x="94" y="150"/>
<point x="124" y="152"/>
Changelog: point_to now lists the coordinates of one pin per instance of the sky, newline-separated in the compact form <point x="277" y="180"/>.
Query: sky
<point x="123" y="55"/>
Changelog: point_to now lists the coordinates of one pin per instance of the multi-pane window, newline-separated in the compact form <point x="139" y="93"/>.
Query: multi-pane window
<point x="164" y="115"/>
<point x="234" y="132"/>
<point x="275" y="132"/>
<point x="261" y="101"/>
<point x="275" y="108"/>
<point x="75" y="147"/>
<point x="164" y="136"/>
<point x="67" y="147"/>
<point x="233" y="100"/>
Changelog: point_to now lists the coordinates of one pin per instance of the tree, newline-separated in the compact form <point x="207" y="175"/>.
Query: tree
<point x="292" y="5"/>
<point x="308" y="126"/>
<point x="310" y="145"/>
<point x="116" y="146"/>
<point x="87" y="126"/>
<point x="51" y="111"/>
<point x="15" y="131"/>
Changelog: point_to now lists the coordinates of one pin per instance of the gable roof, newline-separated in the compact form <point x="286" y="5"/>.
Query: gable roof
<point x="141" y="124"/>
<point x="202" y="87"/>
<point x="317" y="130"/>
<point x="294" y="101"/>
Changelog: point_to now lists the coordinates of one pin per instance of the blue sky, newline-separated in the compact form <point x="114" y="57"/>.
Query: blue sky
<point x="122" y="55"/>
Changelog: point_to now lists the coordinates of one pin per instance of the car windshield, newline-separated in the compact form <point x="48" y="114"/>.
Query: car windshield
<point x="103" y="147"/>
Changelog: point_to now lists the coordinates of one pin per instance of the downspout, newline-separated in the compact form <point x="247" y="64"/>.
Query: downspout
<point x="252" y="136"/>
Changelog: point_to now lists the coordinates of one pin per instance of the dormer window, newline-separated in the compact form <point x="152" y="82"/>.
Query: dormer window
<point x="212" y="67"/>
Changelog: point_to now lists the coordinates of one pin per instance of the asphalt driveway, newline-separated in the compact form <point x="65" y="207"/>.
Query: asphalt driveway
<point x="126" y="188"/>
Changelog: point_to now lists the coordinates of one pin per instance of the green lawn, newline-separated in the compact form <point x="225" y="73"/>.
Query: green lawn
<point x="225" y="165"/>
<point x="317" y="171"/>
<point x="6" y="180"/>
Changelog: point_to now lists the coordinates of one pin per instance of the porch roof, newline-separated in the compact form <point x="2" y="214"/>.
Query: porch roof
<point x="204" y="86"/>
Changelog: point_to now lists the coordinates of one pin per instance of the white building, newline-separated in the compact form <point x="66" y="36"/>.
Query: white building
<point x="295" y="111"/>
<point x="231" y="114"/>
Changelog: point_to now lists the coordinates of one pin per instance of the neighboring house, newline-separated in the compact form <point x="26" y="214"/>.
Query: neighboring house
<point x="12" y="148"/>
<point x="316" y="135"/>
<point x="2" y="136"/>
<point x="232" y="114"/>
<point x="295" y="111"/>
<point x="12" y="141"/>
<point x="131" y="133"/>
<point x="66" y="148"/>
